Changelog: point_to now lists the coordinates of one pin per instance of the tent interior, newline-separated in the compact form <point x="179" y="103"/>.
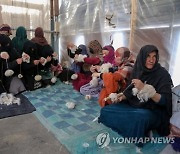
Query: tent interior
<point x="133" y="24"/>
<point x="122" y="23"/>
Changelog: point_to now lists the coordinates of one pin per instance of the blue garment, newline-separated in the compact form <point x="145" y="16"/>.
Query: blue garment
<point x="76" y="68"/>
<point x="87" y="89"/>
<point x="129" y="121"/>
<point x="84" y="49"/>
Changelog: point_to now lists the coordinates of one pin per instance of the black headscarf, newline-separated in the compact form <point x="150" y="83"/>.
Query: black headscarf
<point x="139" y="67"/>
<point x="6" y="46"/>
<point x="159" y="78"/>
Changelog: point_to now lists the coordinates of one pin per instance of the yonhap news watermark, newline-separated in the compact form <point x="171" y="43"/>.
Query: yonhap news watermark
<point x="104" y="139"/>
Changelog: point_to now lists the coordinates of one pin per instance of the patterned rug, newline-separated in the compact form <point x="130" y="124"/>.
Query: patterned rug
<point x="78" y="128"/>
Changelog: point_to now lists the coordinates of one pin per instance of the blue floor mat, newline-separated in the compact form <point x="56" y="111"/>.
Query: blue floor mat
<point x="14" y="109"/>
<point x="77" y="128"/>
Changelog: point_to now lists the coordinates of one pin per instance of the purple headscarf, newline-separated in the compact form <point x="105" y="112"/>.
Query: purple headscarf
<point x="110" y="56"/>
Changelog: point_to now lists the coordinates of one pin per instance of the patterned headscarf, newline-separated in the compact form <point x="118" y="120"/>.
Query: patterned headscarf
<point x="95" y="47"/>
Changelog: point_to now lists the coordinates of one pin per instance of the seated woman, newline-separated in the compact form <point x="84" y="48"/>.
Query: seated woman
<point x="73" y="50"/>
<point x="116" y="80"/>
<point x="10" y="61"/>
<point x="31" y="69"/>
<point x="5" y="29"/>
<point x="85" y="61"/>
<point x="93" y="87"/>
<point x="45" y="51"/>
<point x="146" y="104"/>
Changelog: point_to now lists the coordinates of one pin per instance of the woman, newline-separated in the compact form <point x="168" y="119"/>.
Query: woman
<point x="116" y="80"/>
<point x="45" y="51"/>
<point x="30" y="70"/>
<point x="136" y="115"/>
<point x="93" y="88"/>
<point x="10" y="66"/>
<point x="108" y="54"/>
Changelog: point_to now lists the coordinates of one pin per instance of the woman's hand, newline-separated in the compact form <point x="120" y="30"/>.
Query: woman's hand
<point x="137" y="84"/>
<point x="36" y="62"/>
<point x="19" y="61"/>
<point x="4" y="55"/>
<point x="93" y="68"/>
<point x="54" y="54"/>
<point x="122" y="97"/>
<point x="48" y="59"/>
<point x="95" y="74"/>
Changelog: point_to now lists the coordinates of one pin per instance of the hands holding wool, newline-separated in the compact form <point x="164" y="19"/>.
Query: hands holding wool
<point x="79" y="58"/>
<point x="4" y="55"/>
<point x="142" y="90"/>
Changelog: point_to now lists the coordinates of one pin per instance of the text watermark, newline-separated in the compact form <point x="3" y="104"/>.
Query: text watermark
<point x="104" y="139"/>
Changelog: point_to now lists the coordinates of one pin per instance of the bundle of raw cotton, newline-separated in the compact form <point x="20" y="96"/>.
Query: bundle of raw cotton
<point x="145" y="93"/>
<point x="9" y="99"/>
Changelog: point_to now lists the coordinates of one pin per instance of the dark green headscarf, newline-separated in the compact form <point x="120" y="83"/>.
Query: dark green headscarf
<point x="20" y="39"/>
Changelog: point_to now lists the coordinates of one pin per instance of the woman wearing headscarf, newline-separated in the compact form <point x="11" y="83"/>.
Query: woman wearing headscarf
<point x="93" y="87"/>
<point x="5" y="29"/>
<point x="116" y="80"/>
<point x="45" y="51"/>
<point x="146" y="104"/>
<point x="108" y="54"/>
<point x="84" y="61"/>
<point x="10" y="62"/>
<point x="47" y="56"/>
<point x="20" y="38"/>
<point x="31" y="69"/>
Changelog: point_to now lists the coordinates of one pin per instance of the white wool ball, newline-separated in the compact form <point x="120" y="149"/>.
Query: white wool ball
<point x="74" y="76"/>
<point x="88" y="97"/>
<point x="104" y="68"/>
<point x="38" y="77"/>
<point x="134" y="91"/>
<point x="70" y="105"/>
<point x="20" y="76"/>
<point x="66" y="82"/>
<point x="54" y="79"/>
<point x="113" y="97"/>
<point x="9" y="73"/>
